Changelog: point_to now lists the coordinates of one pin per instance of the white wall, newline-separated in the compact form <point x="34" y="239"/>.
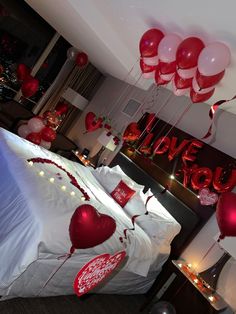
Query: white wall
<point x="195" y="122"/>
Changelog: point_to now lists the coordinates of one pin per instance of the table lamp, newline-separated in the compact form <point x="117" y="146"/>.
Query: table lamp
<point x="75" y="98"/>
<point x="107" y="142"/>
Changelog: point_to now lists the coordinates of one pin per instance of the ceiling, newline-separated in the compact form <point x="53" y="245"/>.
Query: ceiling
<point x="110" y="30"/>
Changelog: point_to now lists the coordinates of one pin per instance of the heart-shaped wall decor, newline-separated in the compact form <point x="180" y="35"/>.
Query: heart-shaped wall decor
<point x="95" y="271"/>
<point x="92" y="123"/>
<point x="132" y="132"/>
<point x="207" y="197"/>
<point x="89" y="228"/>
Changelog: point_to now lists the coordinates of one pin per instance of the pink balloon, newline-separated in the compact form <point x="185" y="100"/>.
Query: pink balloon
<point x="179" y="91"/>
<point x="187" y="73"/>
<point x="45" y="144"/>
<point x="36" y="125"/>
<point x="198" y="89"/>
<point x="148" y="75"/>
<point x="213" y="59"/>
<point x="168" y="47"/>
<point x="23" y="130"/>
<point x="151" y="60"/>
<point x="167" y="77"/>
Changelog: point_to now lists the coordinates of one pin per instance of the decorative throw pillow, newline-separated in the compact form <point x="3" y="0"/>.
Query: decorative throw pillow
<point x="122" y="193"/>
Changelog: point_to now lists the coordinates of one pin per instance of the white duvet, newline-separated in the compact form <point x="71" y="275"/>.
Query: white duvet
<point x="35" y="213"/>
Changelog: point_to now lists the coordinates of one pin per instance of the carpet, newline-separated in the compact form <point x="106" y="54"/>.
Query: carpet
<point x="94" y="304"/>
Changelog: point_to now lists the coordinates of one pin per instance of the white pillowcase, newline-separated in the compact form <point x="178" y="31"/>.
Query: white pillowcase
<point x="159" y="224"/>
<point x="109" y="178"/>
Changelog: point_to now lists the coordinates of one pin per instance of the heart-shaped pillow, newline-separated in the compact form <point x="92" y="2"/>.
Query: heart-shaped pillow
<point x="95" y="271"/>
<point x="207" y="197"/>
<point x="132" y="132"/>
<point x="89" y="228"/>
<point x="92" y="123"/>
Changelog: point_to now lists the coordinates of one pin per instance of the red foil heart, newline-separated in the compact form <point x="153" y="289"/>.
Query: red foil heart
<point x="91" y="123"/>
<point x="95" y="271"/>
<point x="89" y="228"/>
<point x="207" y="198"/>
<point x="132" y="132"/>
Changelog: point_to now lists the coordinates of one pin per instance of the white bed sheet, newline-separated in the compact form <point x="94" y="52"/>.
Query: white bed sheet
<point x="35" y="216"/>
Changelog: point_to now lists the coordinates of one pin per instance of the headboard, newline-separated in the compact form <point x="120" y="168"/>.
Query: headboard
<point x="190" y="220"/>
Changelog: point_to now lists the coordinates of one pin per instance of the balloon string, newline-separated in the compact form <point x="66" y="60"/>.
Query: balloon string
<point x="54" y="272"/>
<point x="207" y="252"/>
<point x="214" y="108"/>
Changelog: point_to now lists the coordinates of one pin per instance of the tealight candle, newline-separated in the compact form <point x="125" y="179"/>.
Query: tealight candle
<point x="30" y="163"/>
<point x="82" y="198"/>
<point x="72" y="193"/>
<point x="41" y="173"/>
<point x="63" y="187"/>
<point x="51" y="180"/>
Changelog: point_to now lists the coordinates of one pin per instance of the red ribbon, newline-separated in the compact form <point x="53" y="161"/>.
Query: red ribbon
<point x="212" y="112"/>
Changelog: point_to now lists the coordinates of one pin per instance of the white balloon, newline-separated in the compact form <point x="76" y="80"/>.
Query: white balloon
<point x="178" y="91"/>
<point x="72" y="53"/>
<point x="151" y="60"/>
<point x="23" y="130"/>
<point x="167" y="77"/>
<point x="35" y="125"/>
<point x="187" y="73"/>
<point x="45" y="144"/>
<point x="168" y="47"/>
<point x="148" y="75"/>
<point x="198" y="89"/>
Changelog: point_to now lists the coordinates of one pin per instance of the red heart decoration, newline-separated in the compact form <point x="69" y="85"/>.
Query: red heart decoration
<point x="30" y="86"/>
<point x="207" y="197"/>
<point x="132" y="132"/>
<point x="89" y="228"/>
<point x="91" y="124"/>
<point x="95" y="271"/>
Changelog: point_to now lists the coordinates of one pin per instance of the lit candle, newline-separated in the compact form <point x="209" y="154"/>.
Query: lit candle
<point x="30" y="163"/>
<point x="211" y="298"/>
<point x="41" y="173"/>
<point x="51" y="180"/>
<point x="82" y="198"/>
<point x="180" y="265"/>
<point x="63" y="187"/>
<point x="72" y="193"/>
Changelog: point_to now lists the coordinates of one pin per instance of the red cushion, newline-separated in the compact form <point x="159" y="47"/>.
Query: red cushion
<point x="122" y="193"/>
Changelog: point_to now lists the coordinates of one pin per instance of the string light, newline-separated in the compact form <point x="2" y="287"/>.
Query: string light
<point x="51" y="180"/>
<point x="41" y="173"/>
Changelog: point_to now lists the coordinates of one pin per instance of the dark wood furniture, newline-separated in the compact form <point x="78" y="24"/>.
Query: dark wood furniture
<point x="85" y="161"/>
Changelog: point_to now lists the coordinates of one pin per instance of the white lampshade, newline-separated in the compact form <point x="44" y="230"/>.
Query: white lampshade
<point x="107" y="141"/>
<point x="75" y="98"/>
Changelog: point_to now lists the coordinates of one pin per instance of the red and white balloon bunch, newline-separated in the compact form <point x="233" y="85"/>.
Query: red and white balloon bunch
<point x="37" y="132"/>
<point x="191" y="65"/>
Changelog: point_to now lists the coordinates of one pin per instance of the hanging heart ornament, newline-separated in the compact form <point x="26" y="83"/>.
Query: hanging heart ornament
<point x="207" y="197"/>
<point x="95" y="271"/>
<point x="92" y="123"/>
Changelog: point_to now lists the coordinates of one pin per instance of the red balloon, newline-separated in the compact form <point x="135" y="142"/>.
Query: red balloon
<point x="48" y="134"/>
<point x="149" y="42"/>
<point x="30" y="86"/>
<point x="195" y="97"/>
<point x="226" y="186"/>
<point x="81" y="59"/>
<point x="89" y="228"/>
<point x="34" y="138"/>
<point x="61" y="108"/>
<point x="158" y="79"/>
<point x="201" y="178"/>
<point x="146" y="68"/>
<point x="167" y="68"/>
<point x="132" y="132"/>
<point x="208" y="81"/>
<point x="181" y="83"/>
<point x="226" y="214"/>
<point x="22" y="72"/>
<point x="188" y="52"/>
<point x="92" y="123"/>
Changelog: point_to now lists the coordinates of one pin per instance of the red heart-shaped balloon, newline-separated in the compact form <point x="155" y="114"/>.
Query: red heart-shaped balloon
<point x="95" y="271"/>
<point x="30" y="86"/>
<point x="91" y="124"/>
<point x="132" y="132"/>
<point x="226" y="214"/>
<point x="89" y="228"/>
<point x="207" y="198"/>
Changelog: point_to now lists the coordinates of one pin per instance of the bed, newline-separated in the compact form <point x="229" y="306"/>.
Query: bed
<point x="37" y="202"/>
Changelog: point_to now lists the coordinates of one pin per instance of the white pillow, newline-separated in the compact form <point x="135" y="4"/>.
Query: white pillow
<point x="109" y="178"/>
<point x="159" y="224"/>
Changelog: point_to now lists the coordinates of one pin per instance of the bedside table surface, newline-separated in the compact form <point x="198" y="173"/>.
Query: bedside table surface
<point x="84" y="161"/>
<point x="212" y="296"/>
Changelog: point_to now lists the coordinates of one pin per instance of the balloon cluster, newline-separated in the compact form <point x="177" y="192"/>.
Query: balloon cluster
<point x="30" y="85"/>
<point x="191" y="65"/>
<point x="41" y="130"/>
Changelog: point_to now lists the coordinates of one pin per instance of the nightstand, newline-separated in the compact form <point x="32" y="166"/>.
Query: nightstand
<point x="186" y="291"/>
<point x="83" y="160"/>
